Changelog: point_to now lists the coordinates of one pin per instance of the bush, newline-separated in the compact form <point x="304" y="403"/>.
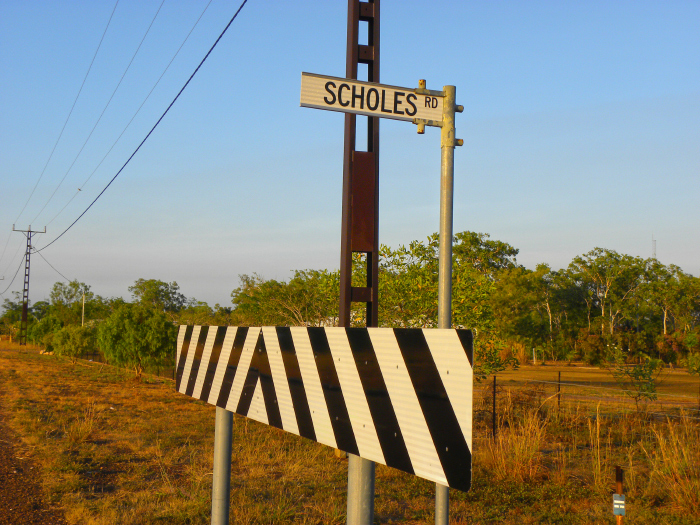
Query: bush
<point x="639" y="380"/>
<point x="137" y="336"/>
<point x="47" y="325"/>
<point x="73" y="341"/>
<point x="692" y="363"/>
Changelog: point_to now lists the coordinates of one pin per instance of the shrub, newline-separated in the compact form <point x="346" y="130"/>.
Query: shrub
<point x="137" y="336"/>
<point x="638" y="380"/>
<point x="73" y="341"/>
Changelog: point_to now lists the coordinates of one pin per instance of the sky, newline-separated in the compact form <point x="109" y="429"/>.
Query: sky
<point x="581" y="129"/>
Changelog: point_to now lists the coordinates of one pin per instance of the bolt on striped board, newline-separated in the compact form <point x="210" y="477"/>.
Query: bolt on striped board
<point x="397" y="396"/>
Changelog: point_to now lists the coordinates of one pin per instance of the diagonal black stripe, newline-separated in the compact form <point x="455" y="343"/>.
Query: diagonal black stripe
<point x="231" y="367"/>
<point x="380" y="405"/>
<point x="213" y="362"/>
<point x="467" y="339"/>
<point x="260" y="370"/>
<point x="450" y="443"/>
<point x="296" y="384"/>
<point x="338" y="411"/>
<point x="183" y="356"/>
<point x="194" y="370"/>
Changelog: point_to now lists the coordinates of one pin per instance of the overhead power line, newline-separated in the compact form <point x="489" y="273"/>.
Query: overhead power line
<point x="15" y="255"/>
<point x="54" y="269"/>
<point x="101" y="114"/>
<point x="5" y="248"/>
<point x="133" y="117"/>
<point x="152" y="129"/>
<point x="13" y="278"/>
<point x="69" y="113"/>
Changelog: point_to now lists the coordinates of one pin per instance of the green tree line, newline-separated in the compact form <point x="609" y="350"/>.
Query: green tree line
<point x="604" y="307"/>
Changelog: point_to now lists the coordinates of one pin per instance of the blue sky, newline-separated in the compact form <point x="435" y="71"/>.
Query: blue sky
<point x="581" y="129"/>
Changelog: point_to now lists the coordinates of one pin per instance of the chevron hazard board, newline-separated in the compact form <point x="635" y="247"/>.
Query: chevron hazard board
<point x="397" y="396"/>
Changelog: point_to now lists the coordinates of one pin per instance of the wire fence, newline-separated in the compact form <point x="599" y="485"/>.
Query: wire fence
<point x="558" y="396"/>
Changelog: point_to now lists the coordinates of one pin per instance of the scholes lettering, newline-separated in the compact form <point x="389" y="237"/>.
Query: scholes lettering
<point x="357" y="97"/>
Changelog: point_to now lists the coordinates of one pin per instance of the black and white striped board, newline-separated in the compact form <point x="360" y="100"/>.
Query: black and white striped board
<point x="397" y="396"/>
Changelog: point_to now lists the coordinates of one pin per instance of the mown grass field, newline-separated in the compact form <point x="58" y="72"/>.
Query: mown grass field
<point x="114" y="450"/>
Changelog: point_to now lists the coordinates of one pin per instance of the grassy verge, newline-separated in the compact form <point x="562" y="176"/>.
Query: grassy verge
<point x="113" y="450"/>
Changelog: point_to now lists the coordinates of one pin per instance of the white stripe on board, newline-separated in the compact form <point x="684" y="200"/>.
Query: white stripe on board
<point x="312" y="386"/>
<point x="279" y="380"/>
<point x="354" y="395"/>
<point x="243" y="367"/>
<point x="222" y="364"/>
<point x="180" y="342"/>
<point x="190" y="357"/>
<point x="456" y="374"/>
<point x="257" y="410"/>
<point x="204" y="361"/>
<point x="419" y="443"/>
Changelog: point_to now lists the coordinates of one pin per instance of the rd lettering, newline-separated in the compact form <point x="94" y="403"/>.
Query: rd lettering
<point x="373" y="99"/>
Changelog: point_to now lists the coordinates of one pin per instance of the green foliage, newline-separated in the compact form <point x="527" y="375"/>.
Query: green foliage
<point x="638" y="380"/>
<point x="135" y="336"/>
<point x="158" y="294"/>
<point x="41" y="309"/>
<point x="49" y="324"/>
<point x="408" y="282"/>
<point x="73" y="341"/>
<point x="12" y="313"/>
<point x="490" y="357"/>
<point x="692" y="363"/>
<point x="310" y="298"/>
<point x="67" y="301"/>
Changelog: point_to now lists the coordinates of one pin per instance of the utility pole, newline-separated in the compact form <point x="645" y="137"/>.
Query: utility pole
<point x="25" y="294"/>
<point x="360" y="227"/>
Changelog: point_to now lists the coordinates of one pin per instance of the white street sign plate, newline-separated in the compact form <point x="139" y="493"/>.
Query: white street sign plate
<point x="367" y="98"/>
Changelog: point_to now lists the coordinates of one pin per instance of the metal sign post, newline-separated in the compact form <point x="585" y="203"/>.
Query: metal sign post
<point x="360" y="221"/>
<point x="447" y="170"/>
<point x="221" y="483"/>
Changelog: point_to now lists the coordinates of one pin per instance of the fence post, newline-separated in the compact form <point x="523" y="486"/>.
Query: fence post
<point x="618" y="479"/>
<point x="558" y="393"/>
<point x="493" y="416"/>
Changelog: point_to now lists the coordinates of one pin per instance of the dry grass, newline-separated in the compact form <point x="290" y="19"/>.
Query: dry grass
<point x="514" y="453"/>
<point x="113" y="450"/>
<point x="675" y="461"/>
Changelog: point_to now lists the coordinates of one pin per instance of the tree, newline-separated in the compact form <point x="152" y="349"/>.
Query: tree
<point x="310" y="298"/>
<point x="41" y="309"/>
<point x="408" y="291"/>
<point x="611" y="277"/>
<point x="11" y="315"/>
<point x="137" y="337"/>
<point x="692" y="363"/>
<point x="42" y="331"/>
<point x="485" y="256"/>
<point x="638" y="380"/>
<point x="67" y="301"/>
<point x="73" y="341"/>
<point x="158" y="294"/>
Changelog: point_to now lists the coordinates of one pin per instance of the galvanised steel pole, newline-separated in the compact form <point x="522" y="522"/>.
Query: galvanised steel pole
<point x="221" y="484"/>
<point x="360" y="490"/>
<point x="447" y="143"/>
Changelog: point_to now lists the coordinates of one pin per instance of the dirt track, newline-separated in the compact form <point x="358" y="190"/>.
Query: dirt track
<point x="22" y="501"/>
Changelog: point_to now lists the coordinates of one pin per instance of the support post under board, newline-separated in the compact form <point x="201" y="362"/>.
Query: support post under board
<point x="221" y="483"/>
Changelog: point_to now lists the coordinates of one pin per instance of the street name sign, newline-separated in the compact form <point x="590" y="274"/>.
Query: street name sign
<point x="370" y="99"/>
